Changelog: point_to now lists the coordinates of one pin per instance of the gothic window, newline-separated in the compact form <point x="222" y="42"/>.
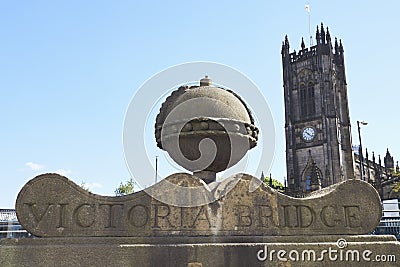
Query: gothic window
<point x="303" y="95"/>
<point x="312" y="176"/>
<point x="307" y="100"/>
<point x="308" y="182"/>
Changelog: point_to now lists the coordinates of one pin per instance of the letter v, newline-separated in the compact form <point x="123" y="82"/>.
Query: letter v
<point x="37" y="217"/>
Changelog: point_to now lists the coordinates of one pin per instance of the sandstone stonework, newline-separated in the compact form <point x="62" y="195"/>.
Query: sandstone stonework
<point x="243" y="206"/>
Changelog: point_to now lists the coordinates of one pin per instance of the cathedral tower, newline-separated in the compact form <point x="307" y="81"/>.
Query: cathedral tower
<point x="317" y="122"/>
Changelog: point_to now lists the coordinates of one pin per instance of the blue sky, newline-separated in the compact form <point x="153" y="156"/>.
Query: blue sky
<point x="68" y="70"/>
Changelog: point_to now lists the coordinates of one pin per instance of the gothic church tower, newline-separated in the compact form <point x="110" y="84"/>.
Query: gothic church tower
<point x="317" y="122"/>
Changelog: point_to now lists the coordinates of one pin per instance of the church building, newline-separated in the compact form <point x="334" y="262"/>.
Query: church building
<point x="317" y="122"/>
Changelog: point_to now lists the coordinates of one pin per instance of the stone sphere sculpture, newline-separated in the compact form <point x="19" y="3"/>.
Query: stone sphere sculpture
<point x="206" y="129"/>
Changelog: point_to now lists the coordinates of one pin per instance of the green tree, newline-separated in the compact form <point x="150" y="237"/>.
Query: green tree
<point x="125" y="188"/>
<point x="275" y="184"/>
<point x="396" y="185"/>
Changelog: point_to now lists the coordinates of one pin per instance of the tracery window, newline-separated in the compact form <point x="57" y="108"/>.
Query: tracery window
<point x="307" y="100"/>
<point x="312" y="175"/>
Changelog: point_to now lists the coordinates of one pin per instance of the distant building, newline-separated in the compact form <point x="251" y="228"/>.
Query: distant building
<point x="319" y="148"/>
<point x="382" y="175"/>
<point x="317" y="121"/>
<point x="9" y="225"/>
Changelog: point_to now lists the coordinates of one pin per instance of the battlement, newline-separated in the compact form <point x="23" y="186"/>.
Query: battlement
<point x="303" y="54"/>
<point x="323" y="47"/>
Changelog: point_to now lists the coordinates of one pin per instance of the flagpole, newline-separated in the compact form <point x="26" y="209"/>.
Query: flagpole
<point x="309" y="22"/>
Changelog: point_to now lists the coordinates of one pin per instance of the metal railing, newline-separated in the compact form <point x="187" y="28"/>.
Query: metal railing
<point x="390" y="223"/>
<point x="9" y="225"/>
<point x="388" y="227"/>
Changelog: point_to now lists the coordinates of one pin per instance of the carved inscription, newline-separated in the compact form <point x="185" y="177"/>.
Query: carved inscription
<point x="88" y="215"/>
<point x="261" y="212"/>
<point x="298" y="216"/>
<point x="117" y="216"/>
<point x="138" y="215"/>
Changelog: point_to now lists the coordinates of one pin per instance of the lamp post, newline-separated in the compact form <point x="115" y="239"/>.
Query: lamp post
<point x="360" y="151"/>
<point x="156" y="168"/>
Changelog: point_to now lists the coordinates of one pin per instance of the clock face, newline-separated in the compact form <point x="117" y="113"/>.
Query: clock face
<point x="308" y="134"/>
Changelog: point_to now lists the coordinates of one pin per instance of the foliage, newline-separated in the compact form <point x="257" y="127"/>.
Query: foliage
<point x="125" y="188"/>
<point x="275" y="184"/>
<point x="396" y="187"/>
<point x="395" y="174"/>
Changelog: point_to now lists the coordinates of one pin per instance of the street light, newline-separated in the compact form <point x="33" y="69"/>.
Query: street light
<point x="156" y="168"/>
<point x="360" y="151"/>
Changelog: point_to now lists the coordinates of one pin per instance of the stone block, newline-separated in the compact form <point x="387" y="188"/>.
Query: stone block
<point x="241" y="205"/>
<point x="202" y="251"/>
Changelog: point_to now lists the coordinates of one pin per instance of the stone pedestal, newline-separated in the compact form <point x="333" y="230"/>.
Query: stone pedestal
<point x="202" y="251"/>
<point x="240" y="222"/>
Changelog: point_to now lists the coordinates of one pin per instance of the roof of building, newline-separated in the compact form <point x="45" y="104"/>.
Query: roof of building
<point x="7" y="215"/>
